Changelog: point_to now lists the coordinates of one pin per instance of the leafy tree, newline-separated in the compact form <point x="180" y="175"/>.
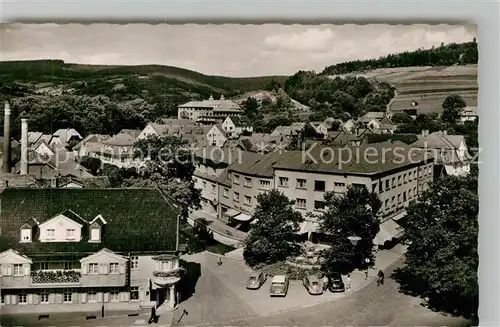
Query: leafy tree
<point x="250" y="107"/>
<point x="351" y="214"/>
<point x="272" y="237"/>
<point x="92" y="164"/>
<point x="170" y="167"/>
<point x="452" y="106"/>
<point x="441" y="232"/>
<point x="401" y="118"/>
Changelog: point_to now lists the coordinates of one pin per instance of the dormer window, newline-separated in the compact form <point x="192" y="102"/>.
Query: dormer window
<point x="26" y="235"/>
<point x="95" y="234"/>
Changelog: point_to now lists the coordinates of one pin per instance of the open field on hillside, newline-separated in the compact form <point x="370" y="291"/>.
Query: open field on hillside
<point x="428" y="85"/>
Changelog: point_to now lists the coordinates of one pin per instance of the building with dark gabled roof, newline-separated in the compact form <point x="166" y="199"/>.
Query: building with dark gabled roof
<point x="84" y="246"/>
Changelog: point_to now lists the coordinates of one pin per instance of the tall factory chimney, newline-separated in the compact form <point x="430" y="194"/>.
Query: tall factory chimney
<point x="6" y="140"/>
<point x="24" y="144"/>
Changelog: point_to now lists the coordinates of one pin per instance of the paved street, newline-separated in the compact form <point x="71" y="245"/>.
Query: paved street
<point x="370" y="306"/>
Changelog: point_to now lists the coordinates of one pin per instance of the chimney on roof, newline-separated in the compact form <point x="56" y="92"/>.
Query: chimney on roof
<point x="6" y="140"/>
<point x="24" y="144"/>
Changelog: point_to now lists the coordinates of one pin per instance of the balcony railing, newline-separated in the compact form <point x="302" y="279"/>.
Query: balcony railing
<point x="54" y="277"/>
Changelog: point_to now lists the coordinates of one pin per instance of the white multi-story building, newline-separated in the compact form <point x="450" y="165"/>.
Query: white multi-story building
<point x="87" y="248"/>
<point x="209" y="111"/>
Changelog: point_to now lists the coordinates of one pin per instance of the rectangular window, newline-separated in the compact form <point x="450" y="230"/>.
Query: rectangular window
<point x="381" y="187"/>
<point x="319" y="186"/>
<point x="300" y="203"/>
<point x="70" y="234"/>
<point x="301" y="183"/>
<point x="236" y="179"/>
<point x="319" y="205"/>
<point x="44" y="296"/>
<point x="67" y="296"/>
<point x="114" y="294"/>
<point x="338" y="184"/>
<point x="248" y="182"/>
<point x="393" y="182"/>
<point x="236" y="196"/>
<point x="248" y="200"/>
<point x="204" y="184"/>
<point x="404" y="196"/>
<point x="399" y="180"/>
<point x="44" y="265"/>
<point x="113" y="268"/>
<point x="134" y="293"/>
<point x="399" y="198"/>
<point x="213" y="188"/>
<point x="51" y="233"/>
<point x="387" y="204"/>
<point x="92" y="295"/>
<point x="134" y="262"/>
<point x="405" y="179"/>
<point x="18" y="270"/>
<point x="265" y="185"/>
<point x="356" y="185"/>
<point x="393" y="200"/>
<point x="94" y="234"/>
<point x="93" y="268"/>
<point x="23" y="297"/>
<point x="68" y="265"/>
<point x="387" y="184"/>
<point x="283" y="181"/>
<point x="225" y="193"/>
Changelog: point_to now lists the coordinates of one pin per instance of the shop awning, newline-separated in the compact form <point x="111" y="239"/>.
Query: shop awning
<point x="308" y="226"/>
<point x="399" y="216"/>
<point x="242" y="217"/>
<point x="231" y="213"/>
<point x="389" y="230"/>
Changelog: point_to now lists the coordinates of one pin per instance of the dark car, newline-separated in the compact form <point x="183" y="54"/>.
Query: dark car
<point x="335" y="283"/>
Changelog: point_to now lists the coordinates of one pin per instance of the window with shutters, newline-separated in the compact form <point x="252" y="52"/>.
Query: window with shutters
<point x="134" y="293"/>
<point x="67" y="295"/>
<point x="92" y="295"/>
<point x="44" y="296"/>
<point x="134" y="262"/>
<point x="93" y="268"/>
<point x="115" y="294"/>
<point x="23" y="297"/>
<point x="113" y="268"/>
<point x="18" y="270"/>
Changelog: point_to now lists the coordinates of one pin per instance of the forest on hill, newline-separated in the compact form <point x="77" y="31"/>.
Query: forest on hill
<point x="444" y="55"/>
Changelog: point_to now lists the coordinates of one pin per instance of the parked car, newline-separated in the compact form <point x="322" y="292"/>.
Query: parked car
<point x="313" y="284"/>
<point x="279" y="285"/>
<point x="335" y="283"/>
<point x="256" y="280"/>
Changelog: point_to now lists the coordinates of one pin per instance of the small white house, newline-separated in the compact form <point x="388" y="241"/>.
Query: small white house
<point x="319" y="127"/>
<point x="216" y="136"/>
<point x="234" y="126"/>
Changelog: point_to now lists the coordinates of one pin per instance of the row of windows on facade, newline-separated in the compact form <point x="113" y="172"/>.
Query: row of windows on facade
<point x="50" y="234"/>
<point x="402" y="179"/>
<point x="68" y="294"/>
<point x="93" y="268"/>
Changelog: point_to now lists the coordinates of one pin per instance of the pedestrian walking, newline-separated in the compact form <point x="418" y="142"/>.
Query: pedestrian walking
<point x="348" y="281"/>
<point x="380" y="275"/>
<point x="325" y="282"/>
<point x="219" y="261"/>
<point x="366" y="274"/>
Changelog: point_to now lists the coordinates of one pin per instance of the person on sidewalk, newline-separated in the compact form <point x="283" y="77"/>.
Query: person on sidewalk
<point x="219" y="261"/>
<point x="380" y="276"/>
<point x="348" y="281"/>
<point x="325" y="282"/>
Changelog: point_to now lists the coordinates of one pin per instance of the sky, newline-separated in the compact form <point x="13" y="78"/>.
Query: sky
<point x="229" y="50"/>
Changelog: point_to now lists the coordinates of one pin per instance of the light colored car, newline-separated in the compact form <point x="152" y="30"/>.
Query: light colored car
<point x="313" y="284"/>
<point x="279" y="285"/>
<point x="256" y="280"/>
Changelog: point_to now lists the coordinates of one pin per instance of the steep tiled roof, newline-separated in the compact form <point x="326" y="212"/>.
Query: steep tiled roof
<point x="132" y="132"/>
<point x="379" y="158"/>
<point x="258" y="164"/>
<point x="92" y="138"/>
<point x="121" y="140"/>
<point x="137" y="219"/>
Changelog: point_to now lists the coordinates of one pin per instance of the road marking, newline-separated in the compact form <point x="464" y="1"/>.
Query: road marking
<point x="140" y="322"/>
